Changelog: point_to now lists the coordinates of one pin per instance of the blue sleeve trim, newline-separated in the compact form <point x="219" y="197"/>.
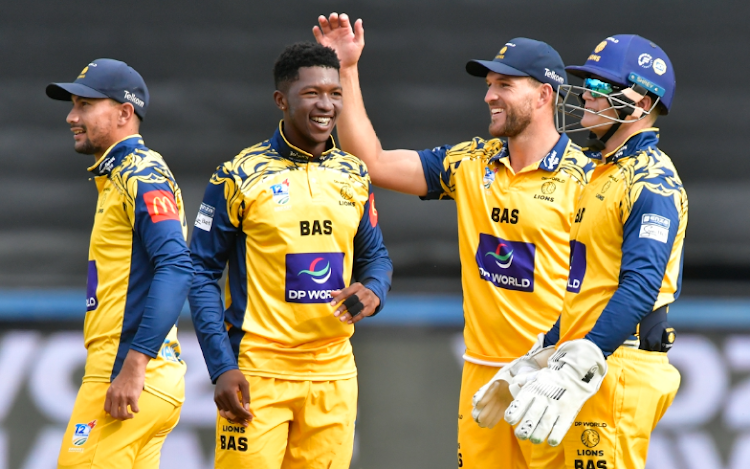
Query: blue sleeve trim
<point x="209" y="252"/>
<point x="372" y="265"/>
<point x="648" y="239"/>
<point x="434" y="171"/>
<point x="553" y="335"/>
<point x="165" y="247"/>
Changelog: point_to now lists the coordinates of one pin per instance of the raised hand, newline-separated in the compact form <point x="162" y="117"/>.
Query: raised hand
<point x="336" y="32"/>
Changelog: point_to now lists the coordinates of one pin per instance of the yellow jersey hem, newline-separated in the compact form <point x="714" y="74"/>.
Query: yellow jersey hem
<point x="148" y="388"/>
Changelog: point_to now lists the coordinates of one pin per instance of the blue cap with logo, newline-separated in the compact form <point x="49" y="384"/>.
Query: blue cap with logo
<point x="523" y="57"/>
<point x="628" y="59"/>
<point x="106" y="78"/>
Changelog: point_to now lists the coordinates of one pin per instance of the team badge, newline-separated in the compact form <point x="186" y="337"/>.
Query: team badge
<point x="489" y="177"/>
<point x="281" y="192"/>
<point x="82" y="432"/>
<point x="590" y="437"/>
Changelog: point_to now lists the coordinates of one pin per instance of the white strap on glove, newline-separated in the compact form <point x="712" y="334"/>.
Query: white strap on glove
<point x="549" y="404"/>
<point x="494" y="397"/>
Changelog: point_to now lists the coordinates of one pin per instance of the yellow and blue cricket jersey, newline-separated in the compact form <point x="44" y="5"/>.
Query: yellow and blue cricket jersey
<point x="292" y="228"/>
<point x="513" y="232"/>
<point x="139" y="269"/>
<point x="627" y="244"/>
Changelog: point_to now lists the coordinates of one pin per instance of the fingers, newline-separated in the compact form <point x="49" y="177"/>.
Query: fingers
<point x="116" y="405"/>
<point x="359" y="32"/>
<point x="357" y="302"/>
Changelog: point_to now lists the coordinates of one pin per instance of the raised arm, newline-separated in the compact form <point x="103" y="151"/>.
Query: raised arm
<point x="398" y="170"/>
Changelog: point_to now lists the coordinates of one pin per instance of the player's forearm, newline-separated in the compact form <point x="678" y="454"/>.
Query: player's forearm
<point x="355" y="131"/>
<point x="206" y="309"/>
<point x="166" y="298"/>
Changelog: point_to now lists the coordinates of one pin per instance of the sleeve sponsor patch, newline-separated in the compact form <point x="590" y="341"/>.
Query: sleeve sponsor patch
<point x="205" y="217"/>
<point x="654" y="227"/>
<point x="161" y="206"/>
<point x="373" y="212"/>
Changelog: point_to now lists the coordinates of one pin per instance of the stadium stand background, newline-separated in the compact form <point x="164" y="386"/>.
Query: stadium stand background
<point x="208" y="67"/>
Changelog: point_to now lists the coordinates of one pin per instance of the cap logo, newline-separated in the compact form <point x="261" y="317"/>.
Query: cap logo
<point x="83" y="72"/>
<point x="645" y="60"/>
<point x="660" y="67"/>
<point x="600" y="47"/>
<point x="551" y="74"/>
<point x="134" y="99"/>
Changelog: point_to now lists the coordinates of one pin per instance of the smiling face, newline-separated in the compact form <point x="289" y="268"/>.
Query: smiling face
<point x="511" y="100"/>
<point x="94" y="123"/>
<point x="311" y="105"/>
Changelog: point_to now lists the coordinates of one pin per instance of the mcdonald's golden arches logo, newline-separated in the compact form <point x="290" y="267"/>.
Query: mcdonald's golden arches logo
<point x="161" y="206"/>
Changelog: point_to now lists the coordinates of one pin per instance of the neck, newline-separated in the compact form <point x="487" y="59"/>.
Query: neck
<point x="114" y="138"/>
<point x="531" y="145"/>
<point x="292" y="136"/>
<point x="624" y="133"/>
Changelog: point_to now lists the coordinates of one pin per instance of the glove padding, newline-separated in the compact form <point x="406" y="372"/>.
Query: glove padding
<point x="549" y="404"/>
<point x="493" y="398"/>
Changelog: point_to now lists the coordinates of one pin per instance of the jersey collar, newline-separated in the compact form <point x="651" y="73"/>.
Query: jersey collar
<point x="551" y="160"/>
<point x="115" y="154"/>
<point x="291" y="152"/>
<point x="636" y="143"/>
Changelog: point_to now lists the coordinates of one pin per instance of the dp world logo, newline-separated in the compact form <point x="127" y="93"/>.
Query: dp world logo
<point x="311" y="277"/>
<point x="320" y="276"/>
<point x="506" y="264"/>
<point x="502" y="260"/>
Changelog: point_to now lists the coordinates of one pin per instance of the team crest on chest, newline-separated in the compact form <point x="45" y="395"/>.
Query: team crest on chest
<point x="489" y="177"/>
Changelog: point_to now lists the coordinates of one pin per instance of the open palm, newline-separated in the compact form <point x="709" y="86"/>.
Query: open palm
<point x="337" y="33"/>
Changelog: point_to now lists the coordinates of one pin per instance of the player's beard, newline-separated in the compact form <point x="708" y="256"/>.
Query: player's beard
<point x="87" y="147"/>
<point x="516" y="120"/>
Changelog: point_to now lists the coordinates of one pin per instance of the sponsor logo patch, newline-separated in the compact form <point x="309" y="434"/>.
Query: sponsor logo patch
<point x="506" y="264"/>
<point x="373" y="212"/>
<point x="134" y="99"/>
<point x="82" y="432"/>
<point x="280" y="192"/>
<point x="645" y="60"/>
<point x="654" y="227"/>
<point x="161" y="206"/>
<point x="92" y="282"/>
<point x="311" y="277"/>
<point x="577" y="266"/>
<point x="660" y="67"/>
<point x="205" y="217"/>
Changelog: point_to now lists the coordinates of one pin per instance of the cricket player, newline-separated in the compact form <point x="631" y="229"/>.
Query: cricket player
<point x="627" y="245"/>
<point x="515" y="204"/>
<point x="295" y="220"/>
<point x="139" y="272"/>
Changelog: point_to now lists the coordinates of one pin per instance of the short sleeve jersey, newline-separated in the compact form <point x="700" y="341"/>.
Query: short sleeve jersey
<point x="292" y="229"/>
<point x="513" y="232"/>
<point x="627" y="243"/>
<point x="137" y="270"/>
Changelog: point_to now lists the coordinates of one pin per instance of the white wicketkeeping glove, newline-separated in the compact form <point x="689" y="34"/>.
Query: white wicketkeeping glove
<point x="492" y="399"/>
<point x="549" y="404"/>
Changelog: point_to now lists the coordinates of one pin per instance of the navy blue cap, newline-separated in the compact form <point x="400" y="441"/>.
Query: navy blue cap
<point x="106" y="78"/>
<point x="626" y="59"/>
<point x="523" y="57"/>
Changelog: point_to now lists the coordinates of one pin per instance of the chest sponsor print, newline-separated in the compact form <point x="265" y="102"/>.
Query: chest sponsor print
<point x="577" y="266"/>
<point x="506" y="264"/>
<point x="310" y="277"/>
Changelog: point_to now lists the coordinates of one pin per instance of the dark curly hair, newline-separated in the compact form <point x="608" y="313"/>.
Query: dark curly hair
<point x="302" y="54"/>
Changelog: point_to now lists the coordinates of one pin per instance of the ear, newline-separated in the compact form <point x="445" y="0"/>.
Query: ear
<point x="125" y="114"/>
<point x="645" y="103"/>
<point x="280" y="100"/>
<point x="546" y="95"/>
